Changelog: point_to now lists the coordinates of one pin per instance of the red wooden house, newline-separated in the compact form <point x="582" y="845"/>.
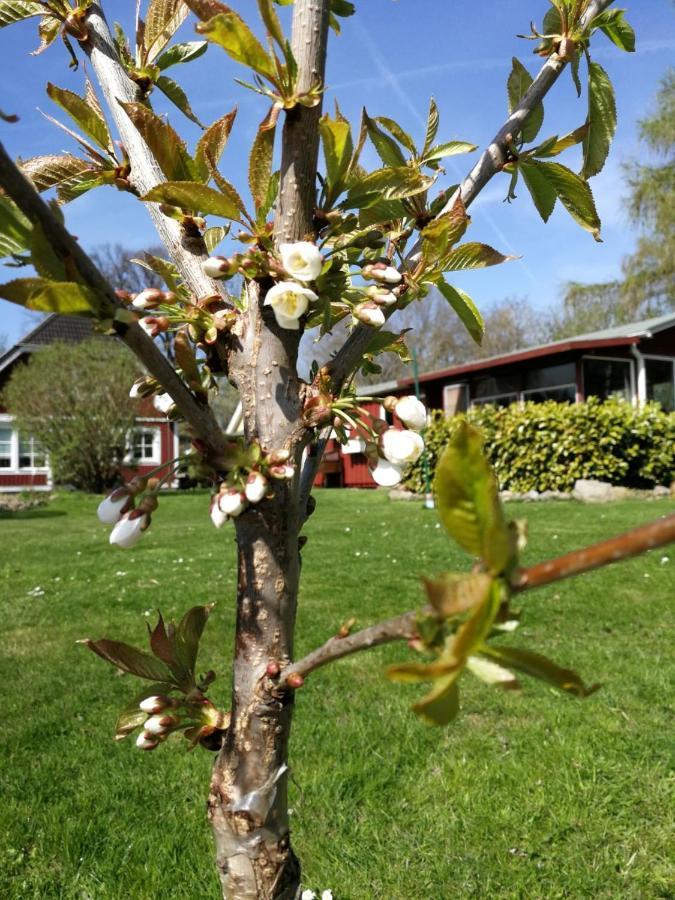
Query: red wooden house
<point x="23" y="464"/>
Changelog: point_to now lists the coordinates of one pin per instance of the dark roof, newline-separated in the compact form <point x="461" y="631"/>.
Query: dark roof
<point x="620" y="335"/>
<point x="69" y="329"/>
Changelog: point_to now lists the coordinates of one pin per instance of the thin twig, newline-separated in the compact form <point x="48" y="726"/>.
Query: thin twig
<point x="616" y="549"/>
<point x="31" y="204"/>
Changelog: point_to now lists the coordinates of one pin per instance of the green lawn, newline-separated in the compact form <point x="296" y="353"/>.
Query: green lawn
<point x="526" y="796"/>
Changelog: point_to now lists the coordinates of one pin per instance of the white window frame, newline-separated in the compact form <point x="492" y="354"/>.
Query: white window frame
<point x="621" y="359"/>
<point x="669" y="359"/>
<point x="483" y="401"/>
<point x="156" y="457"/>
<point x="14" y="467"/>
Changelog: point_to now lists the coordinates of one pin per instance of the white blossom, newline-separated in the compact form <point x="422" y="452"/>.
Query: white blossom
<point x="218" y="516"/>
<point x="128" y="531"/>
<point x="289" y="301"/>
<point x="256" y="487"/>
<point x="232" y="502"/>
<point x="110" y="510"/>
<point x="412" y="412"/>
<point x="326" y="895"/>
<point x="301" y="260"/>
<point x="386" y="474"/>
<point x="370" y="313"/>
<point x="401" y="447"/>
<point x="163" y="403"/>
<point x="308" y="895"/>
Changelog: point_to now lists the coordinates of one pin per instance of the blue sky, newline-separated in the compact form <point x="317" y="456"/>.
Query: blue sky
<point x="391" y="57"/>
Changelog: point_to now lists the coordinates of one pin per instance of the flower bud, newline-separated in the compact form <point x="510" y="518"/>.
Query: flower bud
<point x="401" y="447"/>
<point x="284" y="471"/>
<point x="276" y="457"/>
<point x="218" y="516"/>
<point x="163" y="403"/>
<point x="232" y="502"/>
<point x="146" y="741"/>
<point x="112" y="508"/>
<point x="381" y="272"/>
<point x="295" y="680"/>
<point x="412" y="412"/>
<point x="158" y="725"/>
<point x="153" y="325"/>
<point x="216" y="267"/>
<point x="142" y="387"/>
<point x="148" y="299"/>
<point x="155" y="704"/>
<point x="381" y="296"/>
<point x="256" y="487"/>
<point x="128" y="530"/>
<point x="370" y="313"/>
<point x="273" y="668"/>
<point x="386" y="474"/>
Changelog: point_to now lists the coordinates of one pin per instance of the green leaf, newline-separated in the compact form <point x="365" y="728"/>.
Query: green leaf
<point x="387" y="149"/>
<point x="188" y="635"/>
<point x="401" y="136"/>
<point x="213" y="142"/>
<point x="163" y="142"/>
<point x="43" y="257"/>
<point x="48" y="31"/>
<point x="473" y="255"/>
<point x="15" y="228"/>
<point x="49" y="171"/>
<point x="433" y="120"/>
<point x="51" y="296"/>
<point x="451" y="148"/>
<point x="230" y="32"/>
<point x="465" y="308"/>
<point x="490" y="672"/>
<point x="539" y="666"/>
<point x="130" y="660"/>
<point x="342" y="8"/>
<point x="601" y="120"/>
<point x="14" y="11"/>
<point x="78" y="185"/>
<point x="441" y="705"/>
<point x="517" y="86"/>
<point x="338" y="147"/>
<point x="181" y="53"/>
<point x="132" y="716"/>
<point x="271" y="21"/>
<point x="213" y="236"/>
<point x="444" y="231"/>
<point x="452" y="594"/>
<point x="540" y="187"/>
<point x="162" y="21"/>
<point x="386" y="184"/>
<point x="191" y="196"/>
<point x="468" y="500"/>
<point x="617" y="29"/>
<point x="166" y="270"/>
<point x="574" y="194"/>
<point x="83" y="114"/>
<point x="381" y="212"/>
<point x="177" y="96"/>
<point x="260" y="164"/>
<point x="555" y="145"/>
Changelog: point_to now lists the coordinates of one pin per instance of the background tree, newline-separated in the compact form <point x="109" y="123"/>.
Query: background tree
<point x="648" y="284"/>
<point x="315" y="248"/>
<point x="116" y="264"/>
<point x="74" y="399"/>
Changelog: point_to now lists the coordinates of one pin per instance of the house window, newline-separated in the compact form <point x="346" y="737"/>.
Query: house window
<point x="5" y="447"/>
<point x="146" y="445"/>
<point x="499" y="400"/>
<point x="661" y="382"/>
<point x="567" y="393"/>
<point x="607" y="378"/>
<point x="31" y="454"/>
<point x="550" y="376"/>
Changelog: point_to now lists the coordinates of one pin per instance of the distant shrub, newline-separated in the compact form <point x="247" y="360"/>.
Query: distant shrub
<point x="548" y="446"/>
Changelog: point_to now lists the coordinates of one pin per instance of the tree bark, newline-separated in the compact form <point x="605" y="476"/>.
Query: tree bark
<point x="248" y="806"/>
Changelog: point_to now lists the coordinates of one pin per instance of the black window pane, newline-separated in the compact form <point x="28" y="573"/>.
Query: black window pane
<point x="495" y="385"/>
<point x="565" y="394"/>
<point x="660" y="385"/>
<point x="551" y="376"/>
<point x="607" y="378"/>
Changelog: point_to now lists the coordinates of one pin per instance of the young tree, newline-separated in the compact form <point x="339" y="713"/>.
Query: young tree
<point x="74" y="399"/>
<point x="319" y="247"/>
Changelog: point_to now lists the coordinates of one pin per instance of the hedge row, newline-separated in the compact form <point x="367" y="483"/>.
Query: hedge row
<point x="548" y="446"/>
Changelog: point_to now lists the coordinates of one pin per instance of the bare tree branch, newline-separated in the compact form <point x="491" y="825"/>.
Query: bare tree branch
<point x="616" y="549"/>
<point x="22" y="192"/>
<point x="186" y="252"/>
<point x="487" y="166"/>
<point x="300" y="140"/>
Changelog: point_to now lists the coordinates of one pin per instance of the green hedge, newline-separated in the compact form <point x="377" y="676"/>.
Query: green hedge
<point x="547" y="446"/>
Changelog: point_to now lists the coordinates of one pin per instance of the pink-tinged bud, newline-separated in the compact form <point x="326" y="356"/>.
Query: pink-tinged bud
<point x="127" y="532"/>
<point x="216" y="267"/>
<point x="146" y="741"/>
<point x="218" y="517"/>
<point x="382" y="272"/>
<point x="277" y="457"/>
<point x="124" y="296"/>
<point x="273" y="668"/>
<point x="295" y="680"/>
<point x="112" y="508"/>
<point x="412" y="412"/>
<point x="232" y="502"/>
<point x="149" y="503"/>
<point x="154" y="325"/>
<point x="381" y="296"/>
<point x="282" y="472"/>
<point x="256" y="487"/>
<point x="159" y="725"/>
<point x="370" y="313"/>
<point x="163" y="403"/>
<point x="155" y="704"/>
<point x="148" y="299"/>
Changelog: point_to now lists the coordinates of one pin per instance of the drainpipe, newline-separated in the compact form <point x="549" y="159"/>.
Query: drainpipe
<point x="641" y="382"/>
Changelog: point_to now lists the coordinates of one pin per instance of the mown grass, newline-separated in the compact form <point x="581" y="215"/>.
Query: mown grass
<point x="525" y="796"/>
